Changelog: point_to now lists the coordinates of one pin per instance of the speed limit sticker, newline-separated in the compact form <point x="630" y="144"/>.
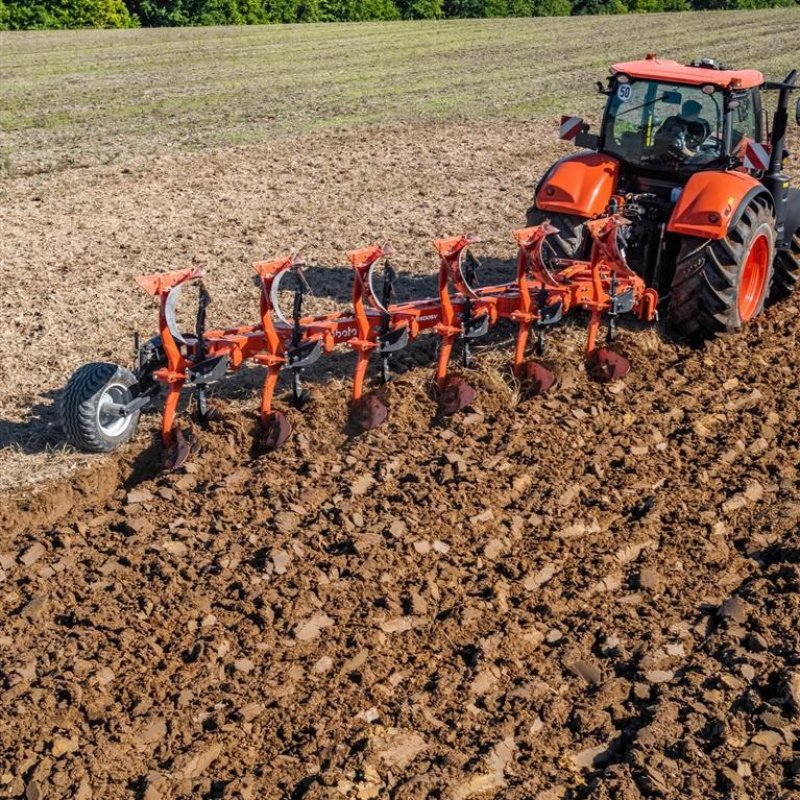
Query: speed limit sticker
<point x="624" y="91"/>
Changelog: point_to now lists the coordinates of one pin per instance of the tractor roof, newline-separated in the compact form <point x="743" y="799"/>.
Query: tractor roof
<point x="652" y="68"/>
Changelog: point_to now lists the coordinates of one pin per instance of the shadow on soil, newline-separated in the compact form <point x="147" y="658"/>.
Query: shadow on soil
<point x="40" y="432"/>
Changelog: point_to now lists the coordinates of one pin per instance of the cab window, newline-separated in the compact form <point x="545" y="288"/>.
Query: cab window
<point x="664" y="126"/>
<point x="745" y="119"/>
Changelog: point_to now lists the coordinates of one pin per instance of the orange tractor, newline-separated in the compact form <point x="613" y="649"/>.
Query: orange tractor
<point x="715" y="228"/>
<point x="678" y="203"/>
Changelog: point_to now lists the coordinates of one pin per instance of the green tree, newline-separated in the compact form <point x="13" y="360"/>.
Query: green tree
<point x="308" y="11"/>
<point x="519" y="8"/>
<point x="731" y="4"/>
<point x="551" y="8"/>
<point x="217" y="12"/>
<point x="161" y="13"/>
<point x="644" y="6"/>
<point x="356" y="10"/>
<point x="35" y="14"/>
<point x="24" y="14"/>
<point x="420" y="9"/>
<point x="599" y="7"/>
<point x="465" y="8"/>
<point x="93" y="14"/>
<point x="495" y="8"/>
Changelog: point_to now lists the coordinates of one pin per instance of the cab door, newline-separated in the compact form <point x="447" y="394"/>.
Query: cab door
<point x="746" y="122"/>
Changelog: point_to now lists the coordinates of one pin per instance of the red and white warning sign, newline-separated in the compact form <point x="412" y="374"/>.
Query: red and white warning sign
<point x="756" y="156"/>
<point x="570" y="127"/>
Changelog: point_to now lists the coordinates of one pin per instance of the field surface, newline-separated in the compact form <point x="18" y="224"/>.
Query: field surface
<point x="590" y="595"/>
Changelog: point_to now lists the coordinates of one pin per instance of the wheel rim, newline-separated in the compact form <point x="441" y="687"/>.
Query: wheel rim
<point x="111" y="424"/>
<point x="753" y="278"/>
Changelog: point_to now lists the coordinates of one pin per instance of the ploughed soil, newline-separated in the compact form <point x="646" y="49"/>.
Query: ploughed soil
<point x="592" y="594"/>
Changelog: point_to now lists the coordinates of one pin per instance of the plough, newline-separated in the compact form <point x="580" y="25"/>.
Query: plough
<point x="102" y="401"/>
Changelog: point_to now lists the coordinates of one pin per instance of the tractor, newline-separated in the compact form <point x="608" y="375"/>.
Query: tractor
<point x="684" y="152"/>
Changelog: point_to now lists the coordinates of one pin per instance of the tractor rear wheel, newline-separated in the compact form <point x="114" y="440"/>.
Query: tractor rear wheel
<point x="787" y="271"/>
<point x="89" y="403"/>
<point x="569" y="241"/>
<point x="721" y="284"/>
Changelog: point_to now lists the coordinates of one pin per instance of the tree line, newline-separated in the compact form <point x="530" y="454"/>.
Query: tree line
<point x="42" y="14"/>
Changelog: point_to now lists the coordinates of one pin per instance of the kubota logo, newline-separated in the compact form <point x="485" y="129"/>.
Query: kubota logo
<point x="345" y="333"/>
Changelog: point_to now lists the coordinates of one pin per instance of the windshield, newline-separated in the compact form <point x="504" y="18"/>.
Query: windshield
<point x="664" y="125"/>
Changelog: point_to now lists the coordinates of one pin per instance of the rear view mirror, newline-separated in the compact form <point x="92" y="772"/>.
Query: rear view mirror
<point x="673" y="98"/>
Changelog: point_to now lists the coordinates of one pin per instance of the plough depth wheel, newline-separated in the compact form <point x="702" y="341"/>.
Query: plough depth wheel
<point x="93" y="407"/>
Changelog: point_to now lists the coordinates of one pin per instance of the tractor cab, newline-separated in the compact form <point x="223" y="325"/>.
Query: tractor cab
<point x="666" y="118"/>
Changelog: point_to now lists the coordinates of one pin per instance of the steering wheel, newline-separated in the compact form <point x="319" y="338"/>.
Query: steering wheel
<point x="697" y="133"/>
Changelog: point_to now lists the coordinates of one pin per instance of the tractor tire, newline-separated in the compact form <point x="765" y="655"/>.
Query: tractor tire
<point x="721" y="284"/>
<point x="787" y="271"/>
<point x="89" y="390"/>
<point x="569" y="241"/>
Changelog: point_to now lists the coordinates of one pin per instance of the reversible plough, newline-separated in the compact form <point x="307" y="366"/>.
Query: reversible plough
<point x="542" y="292"/>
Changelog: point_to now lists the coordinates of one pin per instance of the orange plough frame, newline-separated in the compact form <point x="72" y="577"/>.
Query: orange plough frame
<point x="542" y="291"/>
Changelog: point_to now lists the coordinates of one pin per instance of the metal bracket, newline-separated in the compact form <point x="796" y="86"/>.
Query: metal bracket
<point x="136" y="404"/>
<point x="551" y="314"/>
<point x="623" y="302"/>
<point x="393" y="341"/>
<point x="305" y="354"/>
<point x="208" y="371"/>
<point x="475" y="327"/>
